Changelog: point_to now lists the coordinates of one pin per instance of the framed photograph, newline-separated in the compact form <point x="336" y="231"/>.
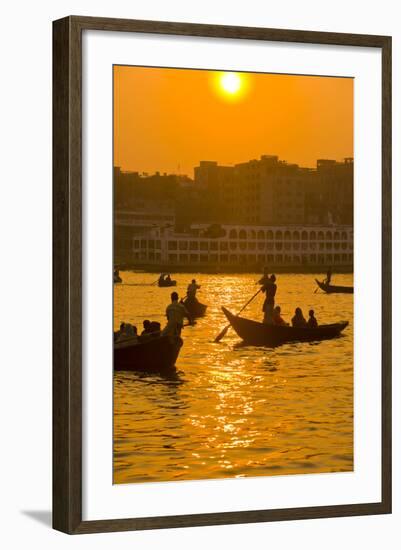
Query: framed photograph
<point x="222" y="275"/>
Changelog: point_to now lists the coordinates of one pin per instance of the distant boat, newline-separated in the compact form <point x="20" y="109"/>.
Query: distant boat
<point x="117" y="279"/>
<point x="167" y="283"/>
<point x="156" y="354"/>
<point x="261" y="334"/>
<point x="335" y="289"/>
<point x="195" y="308"/>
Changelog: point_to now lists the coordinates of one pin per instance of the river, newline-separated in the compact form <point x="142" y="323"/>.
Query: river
<point x="230" y="410"/>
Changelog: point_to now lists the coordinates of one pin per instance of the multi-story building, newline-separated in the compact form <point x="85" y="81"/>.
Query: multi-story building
<point x="264" y="211"/>
<point x="271" y="191"/>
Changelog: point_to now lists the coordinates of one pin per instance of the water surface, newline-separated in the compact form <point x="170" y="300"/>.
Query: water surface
<point x="231" y="410"/>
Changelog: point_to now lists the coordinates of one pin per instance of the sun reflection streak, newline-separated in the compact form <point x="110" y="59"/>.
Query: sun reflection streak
<point x="233" y="412"/>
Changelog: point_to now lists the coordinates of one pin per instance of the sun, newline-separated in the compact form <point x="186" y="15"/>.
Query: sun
<point x="230" y="85"/>
<point x="230" y="82"/>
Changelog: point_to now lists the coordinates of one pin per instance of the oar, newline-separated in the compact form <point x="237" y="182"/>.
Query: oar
<point x="154" y="282"/>
<point x="221" y="335"/>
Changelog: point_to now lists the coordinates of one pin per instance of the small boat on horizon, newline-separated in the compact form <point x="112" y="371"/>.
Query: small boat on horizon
<point x="334" y="289"/>
<point x="167" y="283"/>
<point x="261" y="334"/>
<point x="151" y="354"/>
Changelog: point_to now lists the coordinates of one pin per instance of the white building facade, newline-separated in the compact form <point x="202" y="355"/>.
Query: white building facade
<point x="242" y="246"/>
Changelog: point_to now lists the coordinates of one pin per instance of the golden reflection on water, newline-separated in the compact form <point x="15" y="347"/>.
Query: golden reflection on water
<point x="232" y="410"/>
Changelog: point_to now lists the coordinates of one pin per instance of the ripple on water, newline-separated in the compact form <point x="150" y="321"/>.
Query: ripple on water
<point x="230" y="410"/>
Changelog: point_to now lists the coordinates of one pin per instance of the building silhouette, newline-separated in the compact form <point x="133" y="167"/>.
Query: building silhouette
<point x="305" y="214"/>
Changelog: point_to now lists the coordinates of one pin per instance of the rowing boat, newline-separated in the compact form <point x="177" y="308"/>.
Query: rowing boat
<point x="195" y="308"/>
<point x="335" y="289"/>
<point x="150" y="354"/>
<point x="261" y="334"/>
<point x="167" y="283"/>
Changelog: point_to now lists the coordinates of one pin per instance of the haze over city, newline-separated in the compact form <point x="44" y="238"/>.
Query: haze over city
<point x="168" y="119"/>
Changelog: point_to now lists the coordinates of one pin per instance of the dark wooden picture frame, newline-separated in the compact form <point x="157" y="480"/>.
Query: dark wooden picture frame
<point x="67" y="274"/>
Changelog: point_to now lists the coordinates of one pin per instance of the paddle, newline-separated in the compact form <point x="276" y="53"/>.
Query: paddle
<point x="221" y="335"/>
<point x="154" y="282"/>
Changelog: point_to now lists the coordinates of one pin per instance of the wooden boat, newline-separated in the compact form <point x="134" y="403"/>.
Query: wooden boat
<point x="167" y="283"/>
<point x="260" y="334"/>
<point x="195" y="308"/>
<point x="335" y="289"/>
<point x="150" y="354"/>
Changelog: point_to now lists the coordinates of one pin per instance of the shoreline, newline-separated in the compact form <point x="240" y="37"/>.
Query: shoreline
<point x="227" y="270"/>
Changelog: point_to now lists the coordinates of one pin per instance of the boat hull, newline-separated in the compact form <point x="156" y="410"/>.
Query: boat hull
<point x="335" y="289"/>
<point x="260" y="334"/>
<point x="153" y="354"/>
<point x="165" y="284"/>
<point x="195" y="308"/>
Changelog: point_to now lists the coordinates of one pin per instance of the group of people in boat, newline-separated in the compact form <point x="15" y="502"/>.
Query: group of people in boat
<point x="272" y="313"/>
<point x="127" y="331"/>
<point x="165" y="278"/>
<point x="176" y="312"/>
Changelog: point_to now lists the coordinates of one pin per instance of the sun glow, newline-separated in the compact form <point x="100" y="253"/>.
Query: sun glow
<point x="230" y="82"/>
<point x="231" y="85"/>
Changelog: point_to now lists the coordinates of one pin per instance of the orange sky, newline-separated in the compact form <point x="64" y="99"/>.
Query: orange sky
<point x="168" y="120"/>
